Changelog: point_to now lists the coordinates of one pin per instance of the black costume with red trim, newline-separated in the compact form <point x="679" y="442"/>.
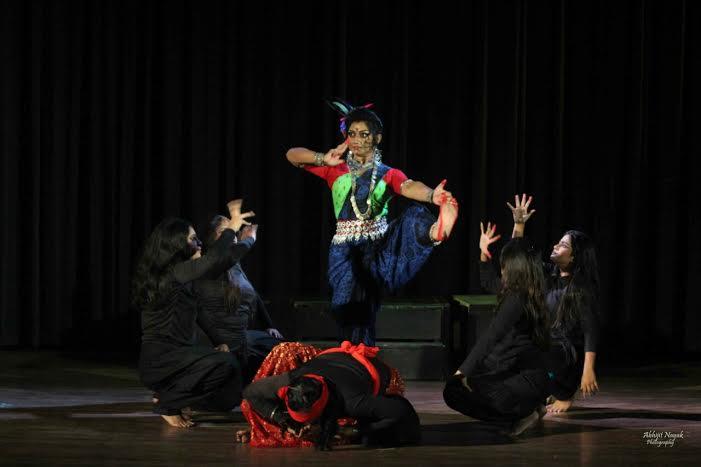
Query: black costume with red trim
<point x="356" y="382"/>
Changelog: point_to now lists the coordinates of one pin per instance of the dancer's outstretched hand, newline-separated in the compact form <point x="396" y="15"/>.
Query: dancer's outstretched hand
<point x="334" y="156"/>
<point x="487" y="237"/>
<point x="238" y="218"/>
<point x="441" y="195"/>
<point x="520" y="211"/>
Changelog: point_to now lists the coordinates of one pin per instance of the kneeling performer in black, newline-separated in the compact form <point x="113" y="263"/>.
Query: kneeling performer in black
<point x="504" y="378"/>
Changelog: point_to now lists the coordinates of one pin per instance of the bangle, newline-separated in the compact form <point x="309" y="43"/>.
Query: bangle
<point x="319" y="159"/>
<point x="431" y="237"/>
<point x="429" y="198"/>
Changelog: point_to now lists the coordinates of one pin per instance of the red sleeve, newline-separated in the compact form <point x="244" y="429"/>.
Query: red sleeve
<point x="394" y="178"/>
<point x="319" y="171"/>
<point x="330" y="174"/>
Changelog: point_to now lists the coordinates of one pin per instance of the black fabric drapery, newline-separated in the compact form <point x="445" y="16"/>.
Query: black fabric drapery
<point x="116" y="114"/>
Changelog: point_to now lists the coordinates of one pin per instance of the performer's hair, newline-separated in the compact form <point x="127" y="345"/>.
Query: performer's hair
<point x="302" y="393"/>
<point x="352" y="114"/>
<point x="164" y="248"/>
<point x="583" y="289"/>
<point x="232" y="293"/>
<point x="523" y="275"/>
<point x="211" y="235"/>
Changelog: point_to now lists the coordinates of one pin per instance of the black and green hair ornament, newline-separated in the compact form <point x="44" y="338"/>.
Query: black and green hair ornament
<point x="349" y="114"/>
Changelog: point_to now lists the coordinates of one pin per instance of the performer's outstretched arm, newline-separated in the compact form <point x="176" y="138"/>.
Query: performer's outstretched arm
<point x="418" y="191"/>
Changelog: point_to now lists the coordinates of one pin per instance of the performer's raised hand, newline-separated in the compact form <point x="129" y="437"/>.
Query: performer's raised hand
<point x="520" y="211"/>
<point x="440" y="195"/>
<point x="487" y="237"/>
<point x="334" y="156"/>
<point x="238" y="218"/>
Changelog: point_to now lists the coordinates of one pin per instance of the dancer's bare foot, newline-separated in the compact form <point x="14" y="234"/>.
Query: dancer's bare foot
<point x="559" y="406"/>
<point x="441" y="229"/>
<point x="243" y="436"/>
<point x="178" y="421"/>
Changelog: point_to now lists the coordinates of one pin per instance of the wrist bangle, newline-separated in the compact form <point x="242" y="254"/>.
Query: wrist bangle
<point x="429" y="198"/>
<point x="319" y="159"/>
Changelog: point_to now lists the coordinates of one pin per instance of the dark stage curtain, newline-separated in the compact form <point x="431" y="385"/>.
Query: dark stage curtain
<point x="116" y="114"/>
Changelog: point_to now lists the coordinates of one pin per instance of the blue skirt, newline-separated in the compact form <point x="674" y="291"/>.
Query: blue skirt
<point x="360" y="272"/>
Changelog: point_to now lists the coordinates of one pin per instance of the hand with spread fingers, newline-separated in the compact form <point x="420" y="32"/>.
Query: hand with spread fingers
<point x="238" y="219"/>
<point x="520" y="210"/>
<point x="487" y="237"/>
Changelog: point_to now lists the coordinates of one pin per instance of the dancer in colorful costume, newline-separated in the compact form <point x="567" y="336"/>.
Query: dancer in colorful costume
<point x="368" y="255"/>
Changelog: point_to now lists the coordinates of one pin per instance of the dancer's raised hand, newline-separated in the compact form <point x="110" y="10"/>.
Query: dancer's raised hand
<point x="487" y="237"/>
<point x="238" y="218"/>
<point x="520" y="210"/>
<point x="334" y="156"/>
<point x="440" y="195"/>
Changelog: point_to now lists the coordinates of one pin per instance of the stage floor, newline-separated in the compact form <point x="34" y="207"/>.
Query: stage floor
<point x="61" y="411"/>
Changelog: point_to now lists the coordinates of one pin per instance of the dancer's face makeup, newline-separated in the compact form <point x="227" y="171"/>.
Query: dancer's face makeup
<point x="361" y="140"/>
<point x="562" y="253"/>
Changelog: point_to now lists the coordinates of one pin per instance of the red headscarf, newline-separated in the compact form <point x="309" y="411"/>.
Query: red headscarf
<point x="317" y="407"/>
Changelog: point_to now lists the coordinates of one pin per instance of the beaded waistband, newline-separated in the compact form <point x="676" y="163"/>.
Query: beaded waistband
<point x="354" y="230"/>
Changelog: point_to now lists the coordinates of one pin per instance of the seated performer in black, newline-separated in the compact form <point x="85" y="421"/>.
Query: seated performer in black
<point x="180" y="373"/>
<point x="572" y="298"/>
<point x="504" y="378"/>
<point x="239" y="321"/>
<point x="344" y="382"/>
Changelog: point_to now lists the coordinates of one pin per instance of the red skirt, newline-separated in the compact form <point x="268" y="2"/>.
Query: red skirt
<point x="283" y="358"/>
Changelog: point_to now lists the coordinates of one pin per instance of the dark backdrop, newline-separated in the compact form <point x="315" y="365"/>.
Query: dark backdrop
<point x="116" y="114"/>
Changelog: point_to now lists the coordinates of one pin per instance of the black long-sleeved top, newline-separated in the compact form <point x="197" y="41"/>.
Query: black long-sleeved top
<point x="584" y="335"/>
<point x="230" y="319"/>
<point x="507" y="343"/>
<point x="346" y="377"/>
<point x="171" y="319"/>
<point x="251" y="303"/>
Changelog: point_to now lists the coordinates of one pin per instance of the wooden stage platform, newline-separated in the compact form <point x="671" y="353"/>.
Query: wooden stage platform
<point x="61" y="411"/>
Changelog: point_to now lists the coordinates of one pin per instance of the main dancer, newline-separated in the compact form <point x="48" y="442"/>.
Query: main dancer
<point x="367" y="255"/>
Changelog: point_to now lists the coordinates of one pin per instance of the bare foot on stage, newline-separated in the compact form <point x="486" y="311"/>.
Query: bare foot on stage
<point x="446" y="220"/>
<point x="178" y="421"/>
<point x="243" y="436"/>
<point x="559" y="406"/>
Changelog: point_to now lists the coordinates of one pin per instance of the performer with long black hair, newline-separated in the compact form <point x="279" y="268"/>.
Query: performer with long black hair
<point x="367" y="255"/>
<point x="180" y="373"/>
<point x="504" y="377"/>
<point x="572" y="298"/>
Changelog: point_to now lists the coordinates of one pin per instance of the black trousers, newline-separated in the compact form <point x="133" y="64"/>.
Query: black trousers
<point x="400" y="427"/>
<point x="212" y="383"/>
<point x="503" y="397"/>
<point x="565" y="366"/>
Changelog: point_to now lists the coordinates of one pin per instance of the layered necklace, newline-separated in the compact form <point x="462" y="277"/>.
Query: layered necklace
<point x="356" y="169"/>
